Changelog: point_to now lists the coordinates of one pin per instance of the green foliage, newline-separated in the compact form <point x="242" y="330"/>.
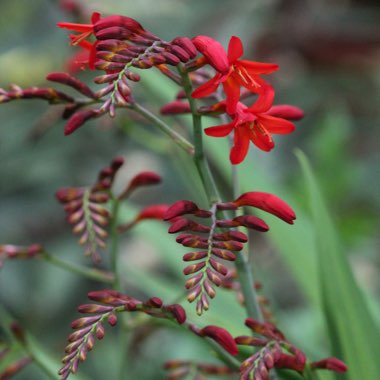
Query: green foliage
<point x="354" y="336"/>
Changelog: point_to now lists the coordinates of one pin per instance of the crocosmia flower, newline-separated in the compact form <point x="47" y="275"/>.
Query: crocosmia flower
<point x="85" y="30"/>
<point x="255" y="124"/>
<point x="232" y="72"/>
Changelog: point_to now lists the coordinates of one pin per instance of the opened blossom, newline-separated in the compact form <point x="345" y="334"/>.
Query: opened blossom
<point x="88" y="54"/>
<point x="256" y="124"/>
<point x="232" y="72"/>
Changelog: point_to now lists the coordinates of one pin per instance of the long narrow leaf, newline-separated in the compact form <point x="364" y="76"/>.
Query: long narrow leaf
<point x="353" y="333"/>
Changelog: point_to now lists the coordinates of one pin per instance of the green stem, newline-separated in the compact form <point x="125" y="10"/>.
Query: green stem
<point x="176" y="137"/>
<point x="93" y="274"/>
<point x="199" y="158"/>
<point x="114" y="245"/>
<point x="242" y="266"/>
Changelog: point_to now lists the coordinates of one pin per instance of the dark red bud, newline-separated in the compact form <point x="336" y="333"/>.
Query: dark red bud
<point x="180" y="208"/>
<point x="69" y="80"/>
<point x="79" y="118"/>
<point x="222" y="337"/>
<point x="119" y="21"/>
<point x="186" y="44"/>
<point x="178" y="312"/>
<point x="333" y="364"/>
<point x="175" y="108"/>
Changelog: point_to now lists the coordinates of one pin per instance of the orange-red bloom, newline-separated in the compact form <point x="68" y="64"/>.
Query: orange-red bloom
<point x="232" y="72"/>
<point x="85" y="31"/>
<point x="253" y="124"/>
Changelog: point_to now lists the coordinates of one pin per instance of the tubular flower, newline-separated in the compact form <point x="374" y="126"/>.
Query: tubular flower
<point x="234" y="75"/>
<point x="85" y="31"/>
<point x="252" y="124"/>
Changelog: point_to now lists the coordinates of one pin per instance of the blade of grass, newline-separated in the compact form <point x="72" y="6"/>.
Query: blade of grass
<point x="353" y="333"/>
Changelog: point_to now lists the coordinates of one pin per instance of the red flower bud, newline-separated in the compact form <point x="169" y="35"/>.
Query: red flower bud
<point x="178" y="312"/>
<point x="153" y="212"/>
<point x="214" y="53"/>
<point x="180" y="208"/>
<point x="285" y="111"/>
<point x="333" y="364"/>
<point x="122" y="22"/>
<point x="79" y="118"/>
<point x="69" y="80"/>
<point x="222" y="337"/>
<point x="267" y="202"/>
<point x="141" y="179"/>
<point x="175" y="108"/>
<point x="186" y="44"/>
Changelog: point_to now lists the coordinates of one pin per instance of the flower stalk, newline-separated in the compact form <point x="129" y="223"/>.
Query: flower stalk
<point x="242" y="265"/>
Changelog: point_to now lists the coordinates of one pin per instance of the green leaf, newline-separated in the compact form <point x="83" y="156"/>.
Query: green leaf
<point x="353" y="333"/>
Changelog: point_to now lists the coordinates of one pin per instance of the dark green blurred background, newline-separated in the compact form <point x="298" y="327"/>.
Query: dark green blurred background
<point x="329" y="57"/>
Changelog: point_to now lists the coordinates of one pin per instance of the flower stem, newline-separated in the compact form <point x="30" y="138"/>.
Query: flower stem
<point x="242" y="267"/>
<point x="199" y="158"/>
<point x="176" y="137"/>
<point x="114" y="244"/>
<point x="93" y="274"/>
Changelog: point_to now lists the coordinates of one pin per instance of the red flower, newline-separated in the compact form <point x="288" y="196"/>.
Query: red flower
<point x="234" y="75"/>
<point x="252" y="124"/>
<point x="85" y="31"/>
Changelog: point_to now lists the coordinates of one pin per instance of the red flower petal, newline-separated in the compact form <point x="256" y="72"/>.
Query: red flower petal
<point x="275" y="124"/>
<point x="220" y="130"/>
<point x="256" y="68"/>
<point x="213" y="51"/>
<point x="82" y="28"/>
<point x="235" y="49"/>
<point x="241" y="145"/>
<point x="207" y="88"/>
<point x="222" y="337"/>
<point x="267" y="202"/>
<point x="262" y="138"/>
<point x="232" y="91"/>
<point x="264" y="101"/>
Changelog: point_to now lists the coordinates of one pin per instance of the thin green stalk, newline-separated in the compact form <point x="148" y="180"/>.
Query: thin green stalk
<point x="242" y="267"/>
<point x="176" y="137"/>
<point x="114" y="245"/>
<point x="91" y="273"/>
<point x="199" y="158"/>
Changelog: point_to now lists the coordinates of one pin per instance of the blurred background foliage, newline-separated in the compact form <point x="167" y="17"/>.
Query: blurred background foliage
<point x="329" y="57"/>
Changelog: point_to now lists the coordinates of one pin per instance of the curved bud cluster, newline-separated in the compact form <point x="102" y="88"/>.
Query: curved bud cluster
<point x="50" y="94"/>
<point x="276" y="352"/>
<point x="91" y="327"/>
<point x="181" y="369"/>
<point x="9" y="251"/>
<point x="121" y="44"/>
<point x="86" y="212"/>
<point x="213" y="243"/>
